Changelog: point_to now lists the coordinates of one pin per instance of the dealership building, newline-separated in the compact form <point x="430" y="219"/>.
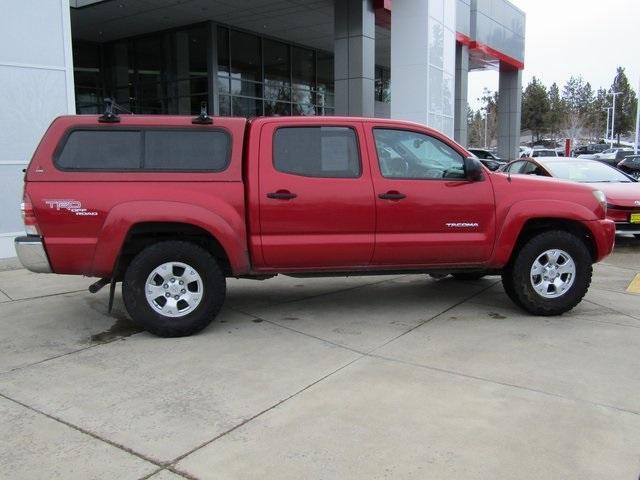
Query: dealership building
<point x="406" y="59"/>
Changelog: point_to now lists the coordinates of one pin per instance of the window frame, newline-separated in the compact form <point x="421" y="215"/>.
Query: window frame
<point x="142" y="130"/>
<point x="426" y="134"/>
<point x="347" y="127"/>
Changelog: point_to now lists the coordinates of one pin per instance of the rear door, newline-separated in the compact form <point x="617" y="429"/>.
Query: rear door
<point x="428" y="213"/>
<point x="315" y="195"/>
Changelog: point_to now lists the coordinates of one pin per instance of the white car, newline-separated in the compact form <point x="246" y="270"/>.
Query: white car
<point x="539" y="152"/>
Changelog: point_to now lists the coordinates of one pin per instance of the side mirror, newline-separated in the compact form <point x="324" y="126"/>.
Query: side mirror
<point x="473" y="169"/>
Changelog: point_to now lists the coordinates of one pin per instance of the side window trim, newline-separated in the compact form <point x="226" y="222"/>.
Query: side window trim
<point x="356" y="137"/>
<point x="142" y="154"/>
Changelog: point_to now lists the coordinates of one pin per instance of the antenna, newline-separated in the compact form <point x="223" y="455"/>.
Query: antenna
<point x="203" y="118"/>
<point x="108" y="116"/>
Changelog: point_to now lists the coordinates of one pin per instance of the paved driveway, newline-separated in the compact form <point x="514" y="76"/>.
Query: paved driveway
<point x="362" y="377"/>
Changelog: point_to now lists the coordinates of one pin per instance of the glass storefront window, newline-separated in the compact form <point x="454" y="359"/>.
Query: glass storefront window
<point x="291" y="80"/>
<point x="277" y="71"/>
<point x="383" y="85"/>
<point x="246" y="61"/>
<point x="88" y="75"/>
<point x="167" y="72"/>
<point x="303" y="77"/>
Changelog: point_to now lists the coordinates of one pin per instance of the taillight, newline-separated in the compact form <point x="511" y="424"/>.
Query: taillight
<point x="29" y="217"/>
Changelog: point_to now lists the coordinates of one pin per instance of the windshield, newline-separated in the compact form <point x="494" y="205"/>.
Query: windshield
<point x="544" y="153"/>
<point x="586" y="172"/>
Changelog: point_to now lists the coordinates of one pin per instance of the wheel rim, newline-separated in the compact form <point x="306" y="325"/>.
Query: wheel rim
<point x="553" y="273"/>
<point x="174" y="289"/>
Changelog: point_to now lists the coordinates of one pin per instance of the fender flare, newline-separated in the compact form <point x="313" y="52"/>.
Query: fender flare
<point x="523" y="211"/>
<point x="229" y="230"/>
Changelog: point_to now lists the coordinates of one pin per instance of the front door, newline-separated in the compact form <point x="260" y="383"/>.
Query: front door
<point x="428" y="213"/>
<point x="316" y="196"/>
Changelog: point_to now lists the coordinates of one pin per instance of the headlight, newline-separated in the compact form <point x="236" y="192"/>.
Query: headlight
<point x="602" y="199"/>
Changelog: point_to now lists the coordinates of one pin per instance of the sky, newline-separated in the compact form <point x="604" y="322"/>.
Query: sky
<point x="574" y="37"/>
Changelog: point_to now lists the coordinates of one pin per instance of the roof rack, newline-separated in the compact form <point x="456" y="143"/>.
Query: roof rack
<point x="108" y="116"/>
<point x="203" y="118"/>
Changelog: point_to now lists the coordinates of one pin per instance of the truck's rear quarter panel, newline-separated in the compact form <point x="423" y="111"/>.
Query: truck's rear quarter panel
<point x="84" y="216"/>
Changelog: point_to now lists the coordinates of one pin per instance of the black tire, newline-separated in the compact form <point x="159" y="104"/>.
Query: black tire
<point x="152" y="257"/>
<point x="468" y="277"/>
<point x="509" y="288"/>
<point x="517" y="277"/>
<point x="637" y="236"/>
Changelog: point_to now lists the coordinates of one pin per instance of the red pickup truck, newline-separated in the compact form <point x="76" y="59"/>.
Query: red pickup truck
<point x="171" y="206"/>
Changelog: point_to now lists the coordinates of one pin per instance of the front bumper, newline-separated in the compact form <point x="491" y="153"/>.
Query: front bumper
<point x="604" y="236"/>
<point x="632" y="228"/>
<point x="32" y="254"/>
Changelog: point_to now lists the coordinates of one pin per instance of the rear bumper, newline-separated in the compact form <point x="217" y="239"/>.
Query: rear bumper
<point x="604" y="236"/>
<point x="32" y="254"/>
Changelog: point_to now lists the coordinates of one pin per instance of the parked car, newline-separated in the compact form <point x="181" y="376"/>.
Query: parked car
<point x="539" y="152"/>
<point x="488" y="158"/>
<point x="631" y="166"/>
<point x="170" y="206"/>
<point x="611" y="156"/>
<point x="622" y="191"/>
<point x="589" y="149"/>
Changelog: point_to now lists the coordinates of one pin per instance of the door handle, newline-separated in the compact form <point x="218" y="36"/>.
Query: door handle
<point x="282" y="195"/>
<point x="392" y="195"/>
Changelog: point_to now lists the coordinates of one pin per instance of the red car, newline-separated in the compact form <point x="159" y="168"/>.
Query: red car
<point x="622" y="190"/>
<point x="172" y="206"/>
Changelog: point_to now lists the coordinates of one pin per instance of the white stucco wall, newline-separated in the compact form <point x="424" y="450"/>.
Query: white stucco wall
<point x="36" y="85"/>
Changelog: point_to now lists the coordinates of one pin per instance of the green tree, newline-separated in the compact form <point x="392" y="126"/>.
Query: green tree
<point x="535" y="108"/>
<point x="557" y="111"/>
<point x="626" y="104"/>
<point x="598" y="115"/>
<point x="476" y="129"/>
<point x="577" y="95"/>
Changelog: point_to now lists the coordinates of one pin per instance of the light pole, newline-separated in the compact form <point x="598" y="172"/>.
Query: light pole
<point x="635" y="148"/>
<point x="613" y="116"/>
<point x="486" y="117"/>
<point x="606" y="129"/>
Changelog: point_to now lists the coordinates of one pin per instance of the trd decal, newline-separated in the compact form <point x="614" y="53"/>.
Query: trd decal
<point x="73" y="206"/>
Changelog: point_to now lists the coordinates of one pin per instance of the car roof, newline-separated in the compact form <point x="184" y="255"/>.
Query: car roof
<point x="543" y="160"/>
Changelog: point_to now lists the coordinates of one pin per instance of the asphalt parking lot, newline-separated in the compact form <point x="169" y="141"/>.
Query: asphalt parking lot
<point x="392" y="377"/>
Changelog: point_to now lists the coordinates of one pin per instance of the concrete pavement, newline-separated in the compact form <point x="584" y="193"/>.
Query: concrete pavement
<point x="340" y="378"/>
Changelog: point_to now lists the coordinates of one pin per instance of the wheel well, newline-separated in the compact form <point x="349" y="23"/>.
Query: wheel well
<point x="537" y="225"/>
<point x="143" y="235"/>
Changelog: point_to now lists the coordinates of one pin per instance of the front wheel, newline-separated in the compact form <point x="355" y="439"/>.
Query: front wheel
<point x="550" y="274"/>
<point x="173" y="288"/>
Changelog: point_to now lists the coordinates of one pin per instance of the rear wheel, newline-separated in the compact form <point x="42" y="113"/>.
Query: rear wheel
<point x="550" y="274"/>
<point x="173" y="288"/>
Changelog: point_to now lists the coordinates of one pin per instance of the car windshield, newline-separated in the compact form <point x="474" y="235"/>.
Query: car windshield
<point x="586" y="172"/>
<point x="544" y="153"/>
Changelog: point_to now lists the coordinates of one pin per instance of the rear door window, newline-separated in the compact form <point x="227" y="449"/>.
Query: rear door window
<point x="145" y="150"/>
<point x="317" y="152"/>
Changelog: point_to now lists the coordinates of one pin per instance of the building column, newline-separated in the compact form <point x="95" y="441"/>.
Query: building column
<point x="460" y="133"/>
<point x="509" y="112"/>
<point x="423" y="62"/>
<point x="354" y="57"/>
